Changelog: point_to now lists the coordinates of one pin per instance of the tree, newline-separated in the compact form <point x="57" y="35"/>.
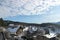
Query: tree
<point x="2" y="22"/>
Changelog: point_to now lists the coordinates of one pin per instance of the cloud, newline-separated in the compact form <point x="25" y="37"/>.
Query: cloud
<point x="25" y="7"/>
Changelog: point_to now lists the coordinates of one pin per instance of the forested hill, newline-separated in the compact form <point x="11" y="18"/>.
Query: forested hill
<point x="7" y="22"/>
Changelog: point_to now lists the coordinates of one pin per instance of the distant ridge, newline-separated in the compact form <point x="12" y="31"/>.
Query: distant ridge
<point x="7" y="22"/>
<point x="24" y="23"/>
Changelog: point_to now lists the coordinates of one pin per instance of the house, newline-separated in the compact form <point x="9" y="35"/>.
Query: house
<point x="15" y="29"/>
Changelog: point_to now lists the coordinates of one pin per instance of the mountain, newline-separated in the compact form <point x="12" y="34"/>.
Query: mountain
<point x="58" y="23"/>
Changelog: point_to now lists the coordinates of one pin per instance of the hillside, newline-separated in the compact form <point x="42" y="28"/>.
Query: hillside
<point x="7" y="22"/>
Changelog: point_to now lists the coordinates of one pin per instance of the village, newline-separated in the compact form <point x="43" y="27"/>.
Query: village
<point x="29" y="19"/>
<point x="29" y="32"/>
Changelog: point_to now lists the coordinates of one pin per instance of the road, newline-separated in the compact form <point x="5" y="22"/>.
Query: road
<point x="1" y="36"/>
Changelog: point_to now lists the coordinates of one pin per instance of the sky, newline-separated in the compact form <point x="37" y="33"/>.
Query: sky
<point x="31" y="11"/>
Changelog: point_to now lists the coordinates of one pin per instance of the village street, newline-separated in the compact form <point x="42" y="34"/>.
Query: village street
<point x="1" y="36"/>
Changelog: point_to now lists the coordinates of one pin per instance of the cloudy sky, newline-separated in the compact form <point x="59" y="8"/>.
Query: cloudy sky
<point x="32" y="11"/>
